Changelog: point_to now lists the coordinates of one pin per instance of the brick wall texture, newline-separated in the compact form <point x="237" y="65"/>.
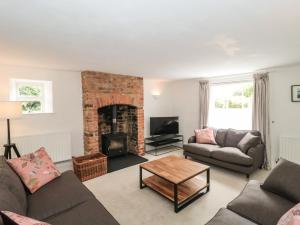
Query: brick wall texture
<point x="104" y="89"/>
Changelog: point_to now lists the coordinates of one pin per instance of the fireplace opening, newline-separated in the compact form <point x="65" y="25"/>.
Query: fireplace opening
<point x="117" y="129"/>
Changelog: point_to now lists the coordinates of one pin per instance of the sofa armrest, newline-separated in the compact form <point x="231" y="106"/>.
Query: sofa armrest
<point x="192" y="139"/>
<point x="257" y="153"/>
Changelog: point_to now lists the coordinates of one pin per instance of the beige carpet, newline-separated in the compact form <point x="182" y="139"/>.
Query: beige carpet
<point x="119" y="192"/>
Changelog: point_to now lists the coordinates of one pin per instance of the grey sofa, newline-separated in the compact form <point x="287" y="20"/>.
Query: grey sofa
<point x="63" y="201"/>
<point x="266" y="203"/>
<point x="226" y="153"/>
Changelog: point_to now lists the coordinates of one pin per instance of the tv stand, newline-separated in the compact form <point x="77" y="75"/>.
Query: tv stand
<point x="163" y="141"/>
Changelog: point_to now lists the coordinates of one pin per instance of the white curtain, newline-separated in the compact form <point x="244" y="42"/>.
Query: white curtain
<point x="261" y="112"/>
<point x="204" y="103"/>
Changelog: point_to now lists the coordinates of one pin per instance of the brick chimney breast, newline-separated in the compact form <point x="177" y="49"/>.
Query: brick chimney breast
<point x="104" y="89"/>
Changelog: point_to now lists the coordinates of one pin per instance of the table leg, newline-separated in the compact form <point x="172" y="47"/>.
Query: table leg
<point x="141" y="178"/>
<point x="208" y="179"/>
<point x="176" y="209"/>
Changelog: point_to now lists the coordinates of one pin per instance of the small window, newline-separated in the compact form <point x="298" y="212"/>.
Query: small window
<point x="36" y="96"/>
<point x="231" y="105"/>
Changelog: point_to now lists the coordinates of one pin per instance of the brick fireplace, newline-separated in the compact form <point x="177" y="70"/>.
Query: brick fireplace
<point x="103" y="91"/>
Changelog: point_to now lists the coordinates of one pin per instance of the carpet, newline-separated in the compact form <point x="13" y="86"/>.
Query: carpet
<point x="121" y="162"/>
<point x="120" y="194"/>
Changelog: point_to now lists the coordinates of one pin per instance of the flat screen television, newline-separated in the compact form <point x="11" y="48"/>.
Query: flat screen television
<point x="164" y="125"/>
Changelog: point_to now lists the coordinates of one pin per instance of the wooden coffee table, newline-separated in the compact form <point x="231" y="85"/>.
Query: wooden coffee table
<point x="177" y="179"/>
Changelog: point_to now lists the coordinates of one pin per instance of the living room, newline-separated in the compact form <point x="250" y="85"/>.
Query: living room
<point x="201" y="110"/>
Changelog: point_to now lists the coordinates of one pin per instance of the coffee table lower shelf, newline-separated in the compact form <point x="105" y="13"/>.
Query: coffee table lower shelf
<point x="181" y="194"/>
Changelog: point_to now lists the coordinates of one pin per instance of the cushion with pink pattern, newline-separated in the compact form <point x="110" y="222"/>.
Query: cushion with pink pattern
<point x="205" y="136"/>
<point x="35" y="169"/>
<point x="292" y="217"/>
<point x="10" y="218"/>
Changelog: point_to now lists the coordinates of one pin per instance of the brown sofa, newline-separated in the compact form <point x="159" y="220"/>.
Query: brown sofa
<point x="226" y="153"/>
<point x="63" y="201"/>
<point x="266" y="203"/>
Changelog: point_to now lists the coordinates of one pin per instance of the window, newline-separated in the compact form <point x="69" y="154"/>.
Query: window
<point x="36" y="96"/>
<point x="231" y="105"/>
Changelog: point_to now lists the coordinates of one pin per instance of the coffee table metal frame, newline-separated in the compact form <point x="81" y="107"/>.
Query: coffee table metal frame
<point x="178" y="207"/>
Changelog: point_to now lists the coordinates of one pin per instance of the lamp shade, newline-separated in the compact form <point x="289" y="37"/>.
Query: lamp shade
<point x="10" y="110"/>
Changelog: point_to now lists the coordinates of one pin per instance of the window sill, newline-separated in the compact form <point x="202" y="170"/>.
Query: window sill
<point x="41" y="113"/>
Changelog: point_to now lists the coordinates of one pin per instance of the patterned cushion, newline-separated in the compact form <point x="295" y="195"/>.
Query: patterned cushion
<point x="205" y="136"/>
<point x="11" y="218"/>
<point x="35" y="169"/>
<point x="292" y="217"/>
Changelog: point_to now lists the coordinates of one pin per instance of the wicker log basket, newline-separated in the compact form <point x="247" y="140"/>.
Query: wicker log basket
<point x="90" y="166"/>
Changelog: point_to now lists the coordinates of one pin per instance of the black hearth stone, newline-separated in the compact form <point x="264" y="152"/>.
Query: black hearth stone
<point x="122" y="162"/>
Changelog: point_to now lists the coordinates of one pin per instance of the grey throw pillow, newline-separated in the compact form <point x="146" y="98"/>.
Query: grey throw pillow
<point x="248" y="141"/>
<point x="221" y="136"/>
<point x="284" y="180"/>
<point x="233" y="137"/>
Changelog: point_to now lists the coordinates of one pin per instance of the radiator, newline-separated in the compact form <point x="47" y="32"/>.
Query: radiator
<point x="57" y="145"/>
<point x="289" y="148"/>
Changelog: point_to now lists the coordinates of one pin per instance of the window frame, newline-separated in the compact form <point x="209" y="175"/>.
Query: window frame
<point x="46" y="96"/>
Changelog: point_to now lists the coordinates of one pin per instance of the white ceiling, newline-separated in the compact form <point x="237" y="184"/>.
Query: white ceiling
<point x="152" y="38"/>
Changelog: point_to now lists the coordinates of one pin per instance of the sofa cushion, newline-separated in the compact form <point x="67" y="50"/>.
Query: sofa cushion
<point x="205" y="136"/>
<point x="227" y="217"/>
<point x="9" y="180"/>
<point x="200" y="149"/>
<point x="9" y="202"/>
<point x="282" y="180"/>
<point x="248" y="141"/>
<point x="232" y="155"/>
<point x="57" y="196"/>
<point x="260" y="206"/>
<point x="221" y="137"/>
<point x="35" y="169"/>
<point x="91" y="212"/>
<point x="233" y="137"/>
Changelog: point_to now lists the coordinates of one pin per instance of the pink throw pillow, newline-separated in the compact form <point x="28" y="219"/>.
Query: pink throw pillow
<point x="205" y="136"/>
<point x="292" y="217"/>
<point x="20" y="220"/>
<point x="35" y="169"/>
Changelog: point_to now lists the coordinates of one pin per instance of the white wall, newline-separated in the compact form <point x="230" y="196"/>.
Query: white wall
<point x="284" y="113"/>
<point x="67" y="100"/>
<point x="185" y="104"/>
<point x="160" y="106"/>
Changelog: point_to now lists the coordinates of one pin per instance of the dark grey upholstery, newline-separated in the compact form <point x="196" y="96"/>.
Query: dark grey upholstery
<point x="201" y="149"/>
<point x="62" y="190"/>
<point x="279" y="183"/>
<point x="221" y="137"/>
<point x="248" y="141"/>
<point x="227" y="217"/>
<point x="90" y="212"/>
<point x="10" y="179"/>
<point x="64" y="200"/>
<point x="261" y="206"/>
<point x="232" y="155"/>
<point x="229" y="157"/>
<point x="234" y="137"/>
<point x="12" y="193"/>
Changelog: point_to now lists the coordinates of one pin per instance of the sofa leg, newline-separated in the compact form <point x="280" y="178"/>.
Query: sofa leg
<point x="185" y="156"/>
<point x="248" y="176"/>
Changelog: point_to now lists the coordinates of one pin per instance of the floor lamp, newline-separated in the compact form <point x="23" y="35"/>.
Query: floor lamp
<point x="10" y="110"/>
